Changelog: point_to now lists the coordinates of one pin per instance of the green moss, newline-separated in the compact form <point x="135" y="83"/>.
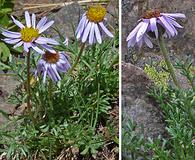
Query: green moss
<point x="160" y="77"/>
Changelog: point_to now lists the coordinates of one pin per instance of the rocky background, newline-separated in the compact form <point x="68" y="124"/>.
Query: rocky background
<point x="136" y="105"/>
<point x="7" y="85"/>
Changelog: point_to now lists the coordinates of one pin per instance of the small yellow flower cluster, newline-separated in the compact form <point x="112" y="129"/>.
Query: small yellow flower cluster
<point x="160" y="78"/>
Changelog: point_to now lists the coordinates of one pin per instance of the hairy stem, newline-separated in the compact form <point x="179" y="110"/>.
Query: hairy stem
<point x="28" y="81"/>
<point x="167" y="60"/>
<point x="50" y="90"/>
<point x="97" y="107"/>
<point x="78" y="58"/>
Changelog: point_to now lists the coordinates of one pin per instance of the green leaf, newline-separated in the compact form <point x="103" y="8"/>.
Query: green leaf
<point x="44" y="128"/>
<point x="17" y="49"/>
<point x="10" y="151"/>
<point x="4" y="52"/>
<point x="3" y="66"/>
<point x="5" y="21"/>
<point x="93" y="150"/>
<point x="2" y="2"/>
<point x="85" y="151"/>
<point x="6" y="4"/>
<point x="5" y="10"/>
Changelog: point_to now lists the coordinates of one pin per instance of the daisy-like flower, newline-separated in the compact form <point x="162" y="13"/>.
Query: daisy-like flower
<point x="92" y="24"/>
<point x="153" y="24"/>
<point x="51" y="64"/>
<point x="29" y="35"/>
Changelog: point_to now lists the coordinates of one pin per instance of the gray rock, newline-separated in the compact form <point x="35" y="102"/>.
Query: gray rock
<point x="113" y="15"/>
<point x="136" y="105"/>
<point x="7" y="86"/>
<point x="65" y="20"/>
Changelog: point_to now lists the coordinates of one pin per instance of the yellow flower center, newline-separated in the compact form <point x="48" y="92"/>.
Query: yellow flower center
<point x="51" y="57"/>
<point x="151" y="14"/>
<point x="29" y="34"/>
<point x="96" y="13"/>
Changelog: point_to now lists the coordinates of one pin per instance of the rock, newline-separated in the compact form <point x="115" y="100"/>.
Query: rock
<point x="20" y="5"/>
<point x="112" y="15"/>
<point x="65" y="19"/>
<point x="7" y="86"/>
<point x="136" y="105"/>
<point x="182" y="80"/>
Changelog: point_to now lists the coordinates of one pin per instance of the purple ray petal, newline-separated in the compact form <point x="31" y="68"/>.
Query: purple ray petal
<point x="142" y="31"/>
<point x="134" y="31"/>
<point x="37" y="49"/>
<point x="148" y="42"/>
<point x="18" y="44"/>
<point x="106" y="30"/>
<point x="41" y="22"/>
<point x="81" y="29"/>
<point x="10" y="34"/>
<point x="29" y="44"/>
<point x="52" y="74"/>
<point x="41" y="63"/>
<point x="46" y="26"/>
<point x="154" y="26"/>
<point x="44" y="40"/>
<point x="18" y="23"/>
<point x="62" y="67"/>
<point x="97" y="34"/>
<point x="167" y="25"/>
<point x="81" y="23"/>
<point x="63" y="56"/>
<point x="175" y="15"/>
<point x="26" y="47"/>
<point x="131" y="42"/>
<point x="174" y="22"/>
<point x="11" y="41"/>
<point x="48" y="48"/>
<point x="140" y="43"/>
<point x="45" y="73"/>
<point x="33" y="20"/>
<point x="92" y="33"/>
<point x="168" y="34"/>
<point x="175" y="31"/>
<point x="86" y="32"/>
<point x="27" y="18"/>
<point x="53" y="66"/>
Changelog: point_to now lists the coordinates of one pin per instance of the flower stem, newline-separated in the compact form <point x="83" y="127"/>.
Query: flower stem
<point x="78" y="58"/>
<point x="167" y="60"/>
<point x="97" y="107"/>
<point x="50" y="88"/>
<point x="28" y="81"/>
